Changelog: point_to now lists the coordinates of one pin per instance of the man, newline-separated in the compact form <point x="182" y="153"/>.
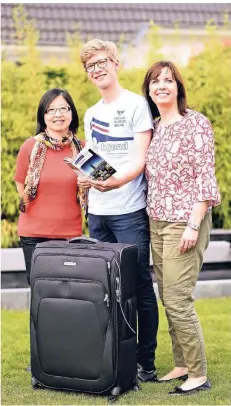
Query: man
<point x="120" y="127"/>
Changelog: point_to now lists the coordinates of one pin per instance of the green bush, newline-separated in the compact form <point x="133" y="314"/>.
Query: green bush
<point x="208" y="84"/>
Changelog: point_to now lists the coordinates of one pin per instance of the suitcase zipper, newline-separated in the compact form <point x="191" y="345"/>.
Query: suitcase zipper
<point x="118" y="291"/>
<point x="106" y="299"/>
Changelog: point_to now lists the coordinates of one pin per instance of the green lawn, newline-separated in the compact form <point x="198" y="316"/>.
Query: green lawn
<point x="215" y="317"/>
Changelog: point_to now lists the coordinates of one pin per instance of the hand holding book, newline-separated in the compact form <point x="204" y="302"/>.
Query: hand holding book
<point x="80" y="174"/>
<point x="106" y="185"/>
<point x="91" y="164"/>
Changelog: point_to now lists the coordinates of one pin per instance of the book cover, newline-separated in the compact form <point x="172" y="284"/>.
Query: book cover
<point x="91" y="164"/>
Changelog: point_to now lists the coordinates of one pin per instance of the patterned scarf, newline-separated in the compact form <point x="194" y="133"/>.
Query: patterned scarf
<point x="37" y="159"/>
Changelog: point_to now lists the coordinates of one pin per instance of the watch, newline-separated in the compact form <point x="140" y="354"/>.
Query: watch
<point x="193" y="226"/>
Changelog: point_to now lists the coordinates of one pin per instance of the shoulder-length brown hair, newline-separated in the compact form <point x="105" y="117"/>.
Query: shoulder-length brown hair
<point x="153" y="72"/>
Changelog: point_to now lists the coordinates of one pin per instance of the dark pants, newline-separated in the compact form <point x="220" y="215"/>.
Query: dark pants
<point x="133" y="228"/>
<point x="28" y="246"/>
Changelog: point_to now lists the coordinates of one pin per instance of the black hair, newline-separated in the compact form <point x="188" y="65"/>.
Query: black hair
<point x="44" y="103"/>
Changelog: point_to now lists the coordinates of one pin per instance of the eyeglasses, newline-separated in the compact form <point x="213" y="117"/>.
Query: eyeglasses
<point x="62" y="110"/>
<point x="101" y="63"/>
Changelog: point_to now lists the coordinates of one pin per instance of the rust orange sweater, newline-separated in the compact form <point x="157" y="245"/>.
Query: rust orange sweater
<point x="55" y="212"/>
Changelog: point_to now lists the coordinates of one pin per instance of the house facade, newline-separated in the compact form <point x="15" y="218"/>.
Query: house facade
<point x="119" y="21"/>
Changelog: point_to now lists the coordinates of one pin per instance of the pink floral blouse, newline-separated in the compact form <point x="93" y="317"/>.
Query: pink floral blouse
<point x="180" y="168"/>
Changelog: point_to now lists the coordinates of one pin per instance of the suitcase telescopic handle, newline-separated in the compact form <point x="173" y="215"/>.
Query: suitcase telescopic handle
<point x="84" y="240"/>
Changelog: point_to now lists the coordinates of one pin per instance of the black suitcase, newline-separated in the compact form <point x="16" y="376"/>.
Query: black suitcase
<point x="83" y="316"/>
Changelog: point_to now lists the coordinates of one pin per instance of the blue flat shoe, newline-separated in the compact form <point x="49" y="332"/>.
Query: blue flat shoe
<point x="179" y="391"/>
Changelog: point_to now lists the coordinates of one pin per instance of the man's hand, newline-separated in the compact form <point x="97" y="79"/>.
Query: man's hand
<point x="188" y="239"/>
<point x="105" y="185"/>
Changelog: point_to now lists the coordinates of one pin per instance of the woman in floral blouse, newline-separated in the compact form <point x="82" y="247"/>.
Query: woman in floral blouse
<point x="182" y="190"/>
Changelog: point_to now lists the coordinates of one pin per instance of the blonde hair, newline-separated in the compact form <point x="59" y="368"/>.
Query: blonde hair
<point x="95" y="45"/>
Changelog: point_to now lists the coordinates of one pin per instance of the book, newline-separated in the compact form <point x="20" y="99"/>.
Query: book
<point x="91" y="164"/>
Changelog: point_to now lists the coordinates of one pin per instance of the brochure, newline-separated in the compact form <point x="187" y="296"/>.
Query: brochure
<point x="91" y="164"/>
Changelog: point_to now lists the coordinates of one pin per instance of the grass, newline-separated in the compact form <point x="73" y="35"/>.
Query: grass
<point x="215" y="318"/>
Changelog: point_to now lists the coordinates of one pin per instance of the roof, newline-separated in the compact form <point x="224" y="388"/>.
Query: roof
<point x="108" y="20"/>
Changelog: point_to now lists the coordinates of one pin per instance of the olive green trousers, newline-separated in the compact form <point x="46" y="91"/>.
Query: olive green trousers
<point x="176" y="278"/>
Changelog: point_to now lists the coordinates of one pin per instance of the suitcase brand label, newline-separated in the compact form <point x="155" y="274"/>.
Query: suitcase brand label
<point x="70" y="263"/>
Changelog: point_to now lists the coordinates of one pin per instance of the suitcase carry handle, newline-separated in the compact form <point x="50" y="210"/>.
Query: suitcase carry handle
<point x="84" y="240"/>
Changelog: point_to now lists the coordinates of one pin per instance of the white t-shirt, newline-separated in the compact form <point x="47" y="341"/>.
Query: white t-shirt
<point x="111" y="128"/>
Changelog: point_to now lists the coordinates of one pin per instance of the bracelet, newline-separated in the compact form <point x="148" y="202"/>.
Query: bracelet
<point x="193" y="226"/>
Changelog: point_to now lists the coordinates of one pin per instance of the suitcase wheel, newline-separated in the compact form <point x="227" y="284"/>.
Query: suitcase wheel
<point x="114" y="394"/>
<point x="136" y="385"/>
<point x="112" y="399"/>
<point x="34" y="383"/>
<point x="116" y="391"/>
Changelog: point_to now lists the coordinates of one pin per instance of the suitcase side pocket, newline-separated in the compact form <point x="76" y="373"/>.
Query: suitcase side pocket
<point x="73" y="334"/>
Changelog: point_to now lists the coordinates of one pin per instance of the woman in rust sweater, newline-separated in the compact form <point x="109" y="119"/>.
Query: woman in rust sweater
<point x="50" y="197"/>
